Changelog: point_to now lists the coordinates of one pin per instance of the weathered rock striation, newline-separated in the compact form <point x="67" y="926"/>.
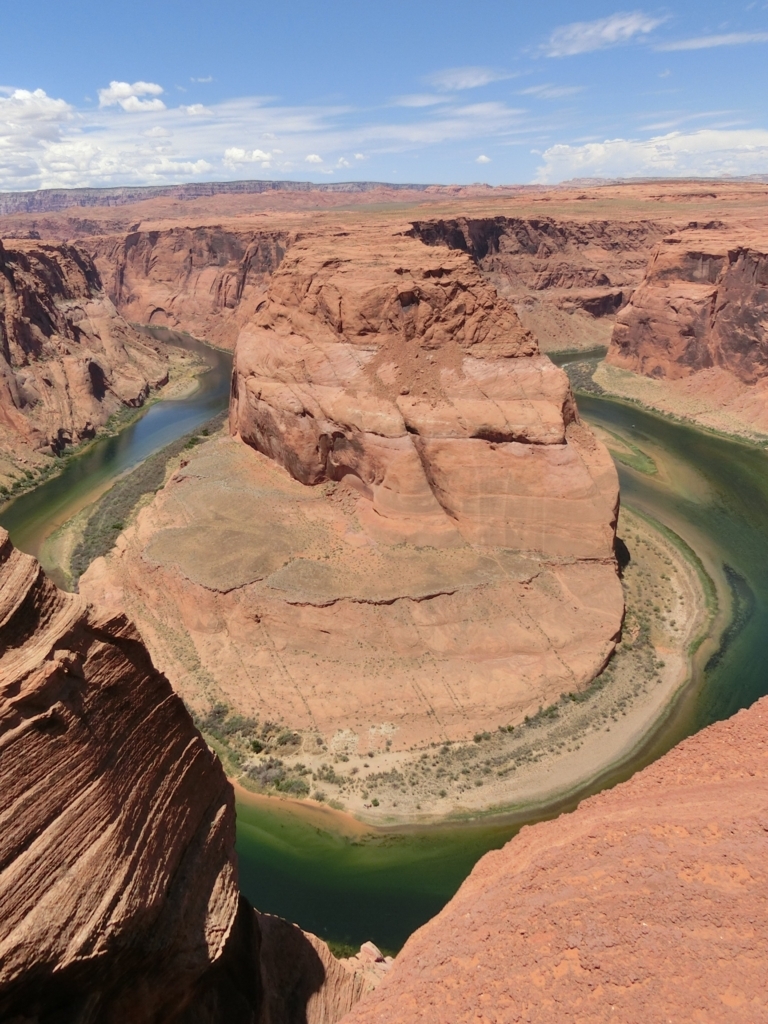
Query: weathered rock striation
<point x="118" y="881"/>
<point x="68" y="360"/>
<point x="205" y="280"/>
<point x="648" y="903"/>
<point x="422" y="547"/>
<point x="396" y="367"/>
<point x="703" y="303"/>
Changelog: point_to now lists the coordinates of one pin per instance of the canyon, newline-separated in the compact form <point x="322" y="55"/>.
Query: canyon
<point x="421" y="546"/>
<point x="405" y="539"/>
<point x="68" y="359"/>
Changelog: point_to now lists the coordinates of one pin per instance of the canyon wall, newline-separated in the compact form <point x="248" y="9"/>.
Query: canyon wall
<point x="566" y="277"/>
<point x="648" y="903"/>
<point x="204" y="280"/>
<point x="703" y="303"/>
<point x="68" y="360"/>
<point x="118" y="882"/>
<point x="421" y="545"/>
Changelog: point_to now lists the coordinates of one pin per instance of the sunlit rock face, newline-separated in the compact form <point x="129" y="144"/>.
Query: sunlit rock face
<point x="703" y="303"/>
<point x="396" y="366"/>
<point x="68" y="360"/>
<point x="647" y="903"/>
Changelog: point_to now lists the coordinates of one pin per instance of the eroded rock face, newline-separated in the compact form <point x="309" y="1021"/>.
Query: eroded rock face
<point x="118" y="885"/>
<point x="567" y="278"/>
<point x="420" y="549"/>
<point x="118" y="881"/>
<point x="204" y="280"/>
<point x="68" y="360"/>
<point x="648" y="903"/>
<point x="703" y="303"/>
<point x="397" y="367"/>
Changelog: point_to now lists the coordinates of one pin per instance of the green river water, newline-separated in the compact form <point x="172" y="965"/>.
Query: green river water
<point x="383" y="885"/>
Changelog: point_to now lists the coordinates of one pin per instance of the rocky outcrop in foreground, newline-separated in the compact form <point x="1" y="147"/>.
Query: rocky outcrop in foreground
<point x="648" y="903"/>
<point x="703" y="303"/>
<point x="68" y="360"/>
<point x="118" y="882"/>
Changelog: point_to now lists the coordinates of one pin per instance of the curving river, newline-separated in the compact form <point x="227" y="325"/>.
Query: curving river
<point x="354" y="885"/>
<point x="32" y="517"/>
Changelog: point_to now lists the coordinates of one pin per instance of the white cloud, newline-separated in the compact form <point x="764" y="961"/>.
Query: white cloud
<point x="313" y="158"/>
<point x="419" y="100"/>
<point x="707" y="153"/>
<point x="195" y="109"/>
<point x="452" y="79"/>
<point x="343" y="162"/>
<point x="46" y="143"/>
<point x="128" y="96"/>
<point x="586" y="36"/>
<point x="707" y="42"/>
<point x="235" y="157"/>
<point x="208" y="78"/>
<point x="551" y="92"/>
<point x="483" y="159"/>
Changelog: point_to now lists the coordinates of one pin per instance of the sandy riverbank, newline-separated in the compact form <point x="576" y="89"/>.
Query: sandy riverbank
<point x="713" y="399"/>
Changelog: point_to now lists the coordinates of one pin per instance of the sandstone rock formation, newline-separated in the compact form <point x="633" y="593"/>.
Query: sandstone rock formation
<point x="436" y="560"/>
<point x="205" y="280"/>
<point x="566" y="277"/>
<point x="648" y="903"/>
<point x="395" y="367"/>
<point x="68" y="360"/>
<point x="118" y="881"/>
<point x="703" y="303"/>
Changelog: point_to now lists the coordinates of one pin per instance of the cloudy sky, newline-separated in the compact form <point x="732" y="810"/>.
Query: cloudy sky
<point x="503" y="91"/>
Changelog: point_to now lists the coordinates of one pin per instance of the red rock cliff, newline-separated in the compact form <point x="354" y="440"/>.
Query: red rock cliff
<point x="397" y="366"/>
<point x="205" y="280"/>
<point x="703" y="303"/>
<point x="67" y="359"/>
<point x="118" y="882"/>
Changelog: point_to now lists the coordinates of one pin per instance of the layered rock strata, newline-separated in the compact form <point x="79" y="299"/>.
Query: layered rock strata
<point x="397" y="368"/>
<point x="703" y="304"/>
<point x="566" y="277"/>
<point x="420" y="547"/>
<point x="118" y="881"/>
<point x="68" y="360"/>
<point x="205" y="280"/>
<point x="648" y="903"/>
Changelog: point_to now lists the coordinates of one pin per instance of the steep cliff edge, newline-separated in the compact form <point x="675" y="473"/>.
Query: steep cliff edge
<point x="118" y="882"/>
<point x="648" y="903"/>
<point x="205" y="280"/>
<point x="68" y="360"/>
<point x="703" y="303"/>
<point x="567" y="278"/>
<point x="421" y="546"/>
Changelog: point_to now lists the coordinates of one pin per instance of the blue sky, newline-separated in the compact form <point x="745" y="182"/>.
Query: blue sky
<point x="156" y="92"/>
